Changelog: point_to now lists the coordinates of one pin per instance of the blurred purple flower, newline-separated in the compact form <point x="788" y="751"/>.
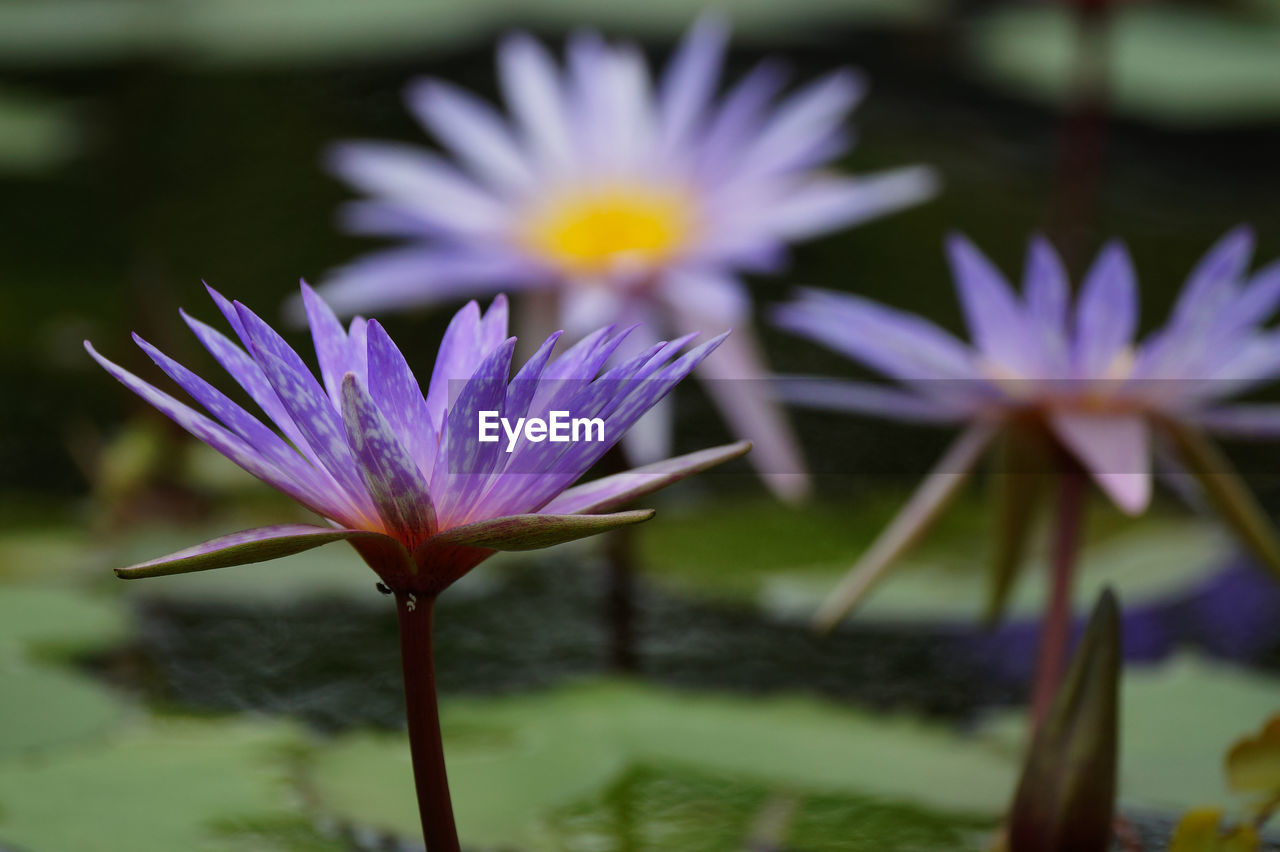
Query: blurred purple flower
<point x="607" y="202"/>
<point x="400" y="475"/>
<point x="1073" y="370"/>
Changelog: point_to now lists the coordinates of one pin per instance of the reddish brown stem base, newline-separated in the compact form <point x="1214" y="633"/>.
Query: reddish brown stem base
<point x="426" y="748"/>
<point x="1055" y="627"/>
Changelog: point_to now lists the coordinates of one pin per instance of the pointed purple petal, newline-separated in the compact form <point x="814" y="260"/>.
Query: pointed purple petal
<point x="398" y="396"/>
<point x="1107" y="312"/>
<point x="900" y="345"/>
<point x="1115" y="449"/>
<point x="415" y="276"/>
<point x="270" y="445"/>
<point x="398" y="488"/>
<point x="863" y="398"/>
<point x="463" y="464"/>
<point x="995" y="318"/>
<point x="330" y="342"/>
<point x="306" y="403"/>
<point x="611" y="492"/>
<point x="531" y="84"/>
<point x="472" y="130"/>
<point x="234" y="448"/>
<point x="242" y="548"/>
<point x="690" y="80"/>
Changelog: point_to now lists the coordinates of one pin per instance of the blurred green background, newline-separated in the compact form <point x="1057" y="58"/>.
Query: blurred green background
<point x="146" y="145"/>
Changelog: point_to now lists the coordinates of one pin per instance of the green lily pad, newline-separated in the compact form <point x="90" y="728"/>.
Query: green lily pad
<point x="1168" y="64"/>
<point x="41" y="555"/>
<point x="788" y="560"/>
<point x="515" y="762"/>
<point x="654" y="809"/>
<point x="217" y="786"/>
<point x="59" y="621"/>
<point x="1177" y="722"/>
<point x="43" y="708"/>
<point x="292" y="31"/>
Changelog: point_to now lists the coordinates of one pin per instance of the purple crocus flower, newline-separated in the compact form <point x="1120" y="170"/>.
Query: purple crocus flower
<point x="401" y="475"/>
<point x="1071" y="371"/>
<point x="605" y="201"/>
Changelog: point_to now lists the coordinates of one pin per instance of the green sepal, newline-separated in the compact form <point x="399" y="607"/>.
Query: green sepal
<point x="1017" y="487"/>
<point x="1227" y="492"/>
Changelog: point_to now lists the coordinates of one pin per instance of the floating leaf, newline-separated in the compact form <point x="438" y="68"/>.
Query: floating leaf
<point x="59" y="621"/>
<point x="1167" y="63"/>
<point x="169" y="785"/>
<point x="292" y="31"/>
<point x="515" y="761"/>
<point x="43" y="708"/>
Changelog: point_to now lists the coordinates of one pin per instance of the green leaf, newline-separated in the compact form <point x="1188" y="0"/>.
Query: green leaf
<point x="1228" y="493"/>
<point x="59" y="621"/>
<point x="1168" y="64"/>
<point x="539" y="754"/>
<point x="165" y="786"/>
<point x="43" y="708"/>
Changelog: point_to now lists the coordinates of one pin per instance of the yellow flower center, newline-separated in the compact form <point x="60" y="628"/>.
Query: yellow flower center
<point x="593" y="231"/>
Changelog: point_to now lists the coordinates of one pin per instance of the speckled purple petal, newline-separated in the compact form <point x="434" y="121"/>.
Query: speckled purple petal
<point x="234" y="448"/>
<point x="332" y="351"/>
<point x="306" y="402"/>
<point x="242" y="423"/>
<point x="398" y="396"/>
<point x="398" y="488"/>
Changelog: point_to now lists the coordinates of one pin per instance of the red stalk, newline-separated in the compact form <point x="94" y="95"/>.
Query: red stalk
<point x="423" y="713"/>
<point x="1055" y="626"/>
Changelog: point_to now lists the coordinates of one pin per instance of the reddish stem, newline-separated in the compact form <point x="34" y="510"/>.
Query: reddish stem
<point x="1055" y="627"/>
<point x="1083" y="133"/>
<point x="425" y="745"/>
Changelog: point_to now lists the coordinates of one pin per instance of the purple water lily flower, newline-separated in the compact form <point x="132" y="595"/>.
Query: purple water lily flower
<point x="604" y="201"/>
<point x="408" y="478"/>
<point x="1071" y="369"/>
<point x="402" y="475"/>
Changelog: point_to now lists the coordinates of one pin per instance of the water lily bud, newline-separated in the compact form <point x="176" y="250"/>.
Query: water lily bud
<point x="1065" y="801"/>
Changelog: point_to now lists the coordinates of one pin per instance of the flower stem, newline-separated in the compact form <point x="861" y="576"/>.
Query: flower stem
<point x="1055" y="626"/>
<point x="425" y="746"/>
